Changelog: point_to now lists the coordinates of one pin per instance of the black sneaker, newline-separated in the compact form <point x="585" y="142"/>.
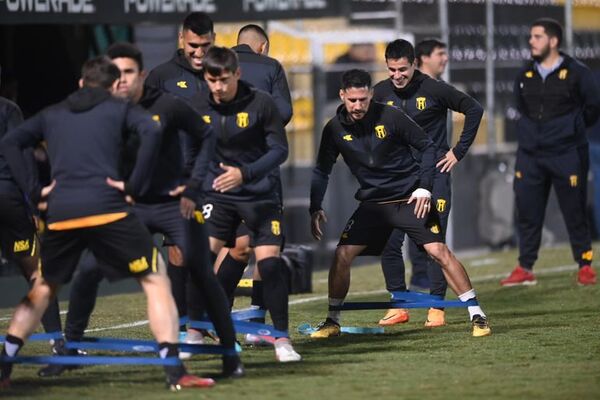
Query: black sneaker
<point x="232" y="367"/>
<point x="52" y="370"/>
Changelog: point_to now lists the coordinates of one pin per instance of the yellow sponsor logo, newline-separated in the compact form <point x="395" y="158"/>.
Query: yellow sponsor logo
<point x="440" y="205"/>
<point x="529" y="74"/>
<point x="344" y="236"/>
<point x="562" y="74"/>
<point x="518" y="174"/>
<point x="199" y="217"/>
<point x="156" y="118"/>
<point x="206" y="118"/>
<point x="182" y="84"/>
<point x="588" y="255"/>
<point x="380" y="132"/>
<point x="245" y="283"/>
<point x="21" y="245"/>
<point x="139" y="265"/>
<point x="435" y="229"/>
<point x="276" y="228"/>
<point x="390" y="103"/>
<point x="421" y="103"/>
<point x="347" y="138"/>
<point x="573" y="180"/>
<point x="243" y="120"/>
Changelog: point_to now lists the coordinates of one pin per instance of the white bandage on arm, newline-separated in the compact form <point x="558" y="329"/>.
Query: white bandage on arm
<point x="420" y="193"/>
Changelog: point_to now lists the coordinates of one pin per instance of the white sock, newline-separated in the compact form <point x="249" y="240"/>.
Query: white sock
<point x="473" y="310"/>
<point x="335" y="315"/>
<point x="11" y="349"/>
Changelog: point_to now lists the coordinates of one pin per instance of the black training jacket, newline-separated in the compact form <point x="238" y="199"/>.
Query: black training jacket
<point x="556" y="112"/>
<point x="176" y="115"/>
<point x="85" y="134"/>
<point x="266" y="73"/>
<point x="176" y="76"/>
<point x="377" y="149"/>
<point x="10" y="118"/>
<point x="427" y="101"/>
<point x="250" y="136"/>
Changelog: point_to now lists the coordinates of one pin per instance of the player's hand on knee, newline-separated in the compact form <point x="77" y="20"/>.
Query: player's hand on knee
<point x="315" y="223"/>
<point x="422" y="199"/>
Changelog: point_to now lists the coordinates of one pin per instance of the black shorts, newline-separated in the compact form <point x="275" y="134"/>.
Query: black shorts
<point x="124" y="249"/>
<point x="261" y="218"/>
<point x="17" y="229"/>
<point x="372" y="223"/>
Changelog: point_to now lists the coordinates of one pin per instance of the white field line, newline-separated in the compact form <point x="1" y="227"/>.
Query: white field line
<point x="485" y="278"/>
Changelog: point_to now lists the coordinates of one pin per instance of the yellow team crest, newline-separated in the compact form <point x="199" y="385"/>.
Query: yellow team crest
<point x="573" y="180"/>
<point x="529" y="74"/>
<point x="587" y="256"/>
<point x="421" y="103"/>
<point x="562" y="74"/>
<point x="139" y="265"/>
<point x="182" y="84"/>
<point x="435" y="229"/>
<point x="156" y="118"/>
<point x="380" y="132"/>
<point x="206" y="118"/>
<point x="243" y="120"/>
<point x="21" y="245"/>
<point x="347" y="138"/>
<point x="276" y="228"/>
<point x="390" y="103"/>
<point x="440" y="205"/>
<point x="518" y="174"/>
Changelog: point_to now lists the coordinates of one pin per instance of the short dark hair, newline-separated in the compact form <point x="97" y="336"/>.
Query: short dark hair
<point x="220" y="59"/>
<point x="99" y="72"/>
<point x="199" y="23"/>
<point x="552" y="28"/>
<point x="126" y="50"/>
<point x="398" y="49"/>
<point x="355" y="78"/>
<point x="253" y="28"/>
<point x="426" y="47"/>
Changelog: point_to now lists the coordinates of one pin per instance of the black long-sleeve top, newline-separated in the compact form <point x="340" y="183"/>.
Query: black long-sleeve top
<point x="377" y="149"/>
<point x="84" y="135"/>
<point x="427" y="101"/>
<point x="250" y="136"/>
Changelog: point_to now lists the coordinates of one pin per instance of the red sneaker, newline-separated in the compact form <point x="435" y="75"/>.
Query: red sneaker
<point x="519" y="276"/>
<point x="192" y="381"/>
<point x="586" y="275"/>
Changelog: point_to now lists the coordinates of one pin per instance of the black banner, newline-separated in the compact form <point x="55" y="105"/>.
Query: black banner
<point x="162" y="11"/>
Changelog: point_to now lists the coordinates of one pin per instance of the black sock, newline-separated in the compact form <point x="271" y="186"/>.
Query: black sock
<point x="258" y="299"/>
<point x="174" y="372"/>
<point x="11" y="348"/>
<point x="178" y="276"/>
<point x="229" y="274"/>
<point x="275" y="291"/>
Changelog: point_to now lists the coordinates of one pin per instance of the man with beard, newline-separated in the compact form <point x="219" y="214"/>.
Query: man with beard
<point x="557" y="98"/>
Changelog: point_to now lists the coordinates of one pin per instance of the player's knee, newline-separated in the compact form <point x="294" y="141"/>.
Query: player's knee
<point x="439" y="252"/>
<point x="240" y="253"/>
<point x="40" y="292"/>
<point x="343" y="256"/>
<point x="175" y="256"/>
<point x="269" y="268"/>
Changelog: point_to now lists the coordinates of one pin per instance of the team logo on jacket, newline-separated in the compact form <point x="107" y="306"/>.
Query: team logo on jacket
<point x="529" y="74"/>
<point x="518" y="174"/>
<point x="380" y="132"/>
<point x="573" y="180"/>
<point x="440" y="205"/>
<point x="276" y="228"/>
<point x="182" y="84"/>
<point x="347" y="138"/>
<point x="243" y="120"/>
<point x="562" y="74"/>
<point x="390" y="103"/>
<point x="206" y="118"/>
<point x="21" y="245"/>
<point x="156" y="118"/>
<point x="435" y="229"/>
<point x="421" y="103"/>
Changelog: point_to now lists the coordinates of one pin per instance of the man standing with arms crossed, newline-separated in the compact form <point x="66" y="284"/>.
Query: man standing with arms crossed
<point x="557" y="97"/>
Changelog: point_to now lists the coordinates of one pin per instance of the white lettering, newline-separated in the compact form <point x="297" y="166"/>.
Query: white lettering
<point x="169" y="6"/>
<point x="52" y="6"/>
<point x="283" y="5"/>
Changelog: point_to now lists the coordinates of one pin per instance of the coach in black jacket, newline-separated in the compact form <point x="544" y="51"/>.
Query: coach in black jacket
<point x="557" y="98"/>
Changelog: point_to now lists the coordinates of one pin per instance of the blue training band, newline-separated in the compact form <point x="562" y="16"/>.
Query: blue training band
<point x="307" y="329"/>
<point x="244" y="327"/>
<point x="383" y="305"/>
<point x="93" y="360"/>
<point x="40" y="337"/>
<point x="246" y="314"/>
<point x="413" y="296"/>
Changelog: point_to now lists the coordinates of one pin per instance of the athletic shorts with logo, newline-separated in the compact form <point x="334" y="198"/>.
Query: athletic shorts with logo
<point x="17" y="229"/>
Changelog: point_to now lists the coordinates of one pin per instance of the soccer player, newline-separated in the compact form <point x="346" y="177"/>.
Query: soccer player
<point x="267" y="74"/>
<point x="557" y="98"/>
<point x="169" y="205"/>
<point x="242" y="181"/>
<point x="432" y="57"/>
<point x="426" y="101"/>
<point x="183" y="76"/>
<point x="84" y="134"/>
<point x="375" y="141"/>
